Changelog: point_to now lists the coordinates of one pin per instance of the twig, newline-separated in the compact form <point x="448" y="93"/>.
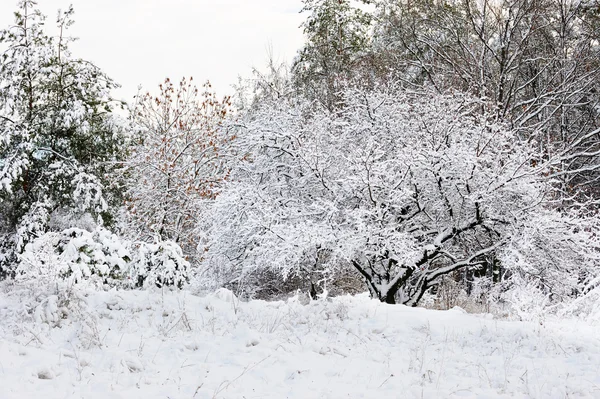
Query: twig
<point x="225" y="384"/>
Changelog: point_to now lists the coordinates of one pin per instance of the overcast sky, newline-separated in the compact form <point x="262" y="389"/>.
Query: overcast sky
<point x="140" y="42"/>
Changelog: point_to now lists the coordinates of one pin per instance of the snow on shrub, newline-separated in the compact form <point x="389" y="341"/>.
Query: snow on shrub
<point x="160" y="264"/>
<point x="553" y="260"/>
<point x="587" y="306"/>
<point x="101" y="256"/>
<point x="76" y="254"/>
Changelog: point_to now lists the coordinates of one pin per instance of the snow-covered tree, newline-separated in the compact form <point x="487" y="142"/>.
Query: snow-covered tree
<point x="536" y="62"/>
<point x="178" y="161"/>
<point x="403" y="187"/>
<point x="337" y="39"/>
<point x="58" y="141"/>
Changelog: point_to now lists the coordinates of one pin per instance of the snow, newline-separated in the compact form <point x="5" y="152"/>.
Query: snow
<point x="163" y="344"/>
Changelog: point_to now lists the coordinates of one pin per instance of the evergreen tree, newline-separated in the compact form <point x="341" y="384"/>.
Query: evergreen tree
<point x="58" y="139"/>
<point x="337" y="40"/>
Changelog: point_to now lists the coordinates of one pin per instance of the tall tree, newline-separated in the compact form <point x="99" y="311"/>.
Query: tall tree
<point x="535" y="62"/>
<point x="58" y="140"/>
<point x="337" y="40"/>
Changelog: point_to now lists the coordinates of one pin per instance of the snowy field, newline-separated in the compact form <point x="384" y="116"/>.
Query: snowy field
<point x="139" y="344"/>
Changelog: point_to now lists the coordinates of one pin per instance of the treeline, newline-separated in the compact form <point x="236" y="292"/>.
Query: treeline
<point x="412" y="147"/>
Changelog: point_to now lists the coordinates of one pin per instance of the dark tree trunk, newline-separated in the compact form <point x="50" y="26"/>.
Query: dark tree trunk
<point x="313" y="291"/>
<point x="390" y="298"/>
<point x="375" y="281"/>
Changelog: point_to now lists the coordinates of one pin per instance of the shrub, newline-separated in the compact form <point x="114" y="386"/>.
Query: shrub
<point x="103" y="257"/>
<point x="160" y="264"/>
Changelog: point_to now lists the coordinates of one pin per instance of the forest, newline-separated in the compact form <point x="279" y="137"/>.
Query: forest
<point x="440" y="154"/>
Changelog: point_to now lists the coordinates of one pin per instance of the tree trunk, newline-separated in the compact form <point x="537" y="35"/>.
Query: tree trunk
<point x="390" y="298"/>
<point x="375" y="282"/>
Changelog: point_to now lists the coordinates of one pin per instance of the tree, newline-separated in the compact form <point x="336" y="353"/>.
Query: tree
<point x="337" y="40"/>
<point x="178" y="161"/>
<point x="271" y="83"/>
<point x="58" y="140"/>
<point x="534" y="62"/>
<point x="404" y="187"/>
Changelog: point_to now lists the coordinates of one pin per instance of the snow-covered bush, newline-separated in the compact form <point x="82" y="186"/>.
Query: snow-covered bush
<point x="587" y="306"/>
<point x="552" y="258"/>
<point x="76" y="254"/>
<point x="79" y="255"/>
<point x="160" y="264"/>
<point x="8" y="255"/>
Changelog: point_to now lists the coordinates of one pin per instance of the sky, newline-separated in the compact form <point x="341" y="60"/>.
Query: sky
<point x="141" y="42"/>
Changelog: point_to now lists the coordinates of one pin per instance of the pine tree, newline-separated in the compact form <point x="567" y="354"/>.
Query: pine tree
<point x="58" y="139"/>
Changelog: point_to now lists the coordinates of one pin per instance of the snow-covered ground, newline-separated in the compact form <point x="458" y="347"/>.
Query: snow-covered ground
<point x="140" y="344"/>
